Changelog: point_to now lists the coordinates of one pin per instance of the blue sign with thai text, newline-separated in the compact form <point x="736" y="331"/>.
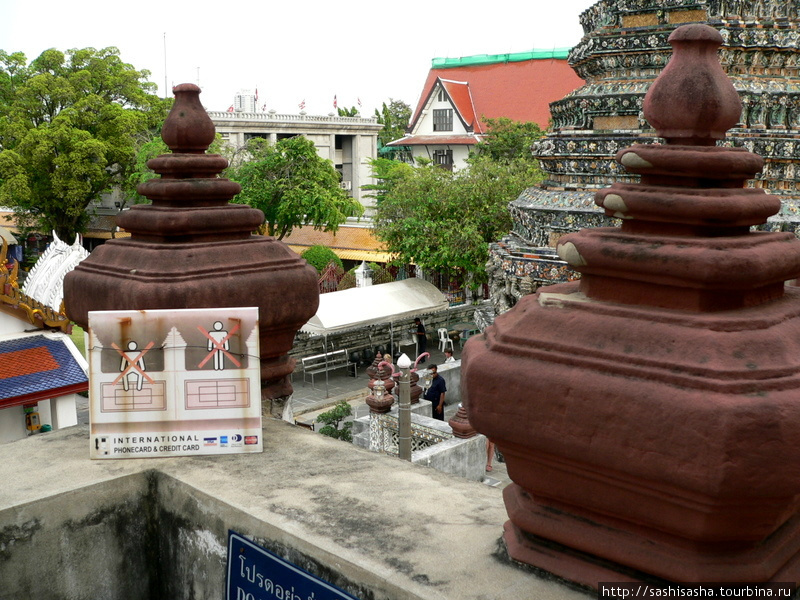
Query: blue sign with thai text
<point x="255" y="573"/>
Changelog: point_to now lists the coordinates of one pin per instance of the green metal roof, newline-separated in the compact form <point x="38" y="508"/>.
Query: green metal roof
<point x="488" y="59"/>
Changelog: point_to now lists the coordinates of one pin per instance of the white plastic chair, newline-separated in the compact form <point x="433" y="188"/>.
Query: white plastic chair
<point x="444" y="339"/>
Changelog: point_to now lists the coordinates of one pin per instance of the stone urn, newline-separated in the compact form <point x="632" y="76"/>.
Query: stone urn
<point x="380" y="401"/>
<point x="650" y="413"/>
<point x="460" y="424"/>
<point x="192" y="249"/>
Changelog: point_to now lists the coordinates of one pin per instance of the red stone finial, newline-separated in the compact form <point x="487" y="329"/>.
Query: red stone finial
<point x="684" y="242"/>
<point x="372" y="370"/>
<point x="188" y="127"/>
<point x="460" y="424"/>
<point x="693" y="102"/>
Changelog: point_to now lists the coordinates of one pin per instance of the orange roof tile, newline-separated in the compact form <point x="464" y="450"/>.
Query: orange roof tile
<point x="521" y="90"/>
<point x="348" y="242"/>
<point x="346" y="238"/>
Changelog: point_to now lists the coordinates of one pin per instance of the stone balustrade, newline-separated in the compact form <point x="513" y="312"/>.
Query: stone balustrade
<point x="301" y="117"/>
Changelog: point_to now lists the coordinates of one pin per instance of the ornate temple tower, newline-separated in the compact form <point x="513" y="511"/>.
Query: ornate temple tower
<point x="623" y="50"/>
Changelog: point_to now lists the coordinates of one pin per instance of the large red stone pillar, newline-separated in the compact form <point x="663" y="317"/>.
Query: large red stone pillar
<point x="650" y="414"/>
<point x="192" y="249"/>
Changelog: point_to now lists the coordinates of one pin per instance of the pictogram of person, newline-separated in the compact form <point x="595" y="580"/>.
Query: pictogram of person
<point x="217" y="341"/>
<point x="137" y="370"/>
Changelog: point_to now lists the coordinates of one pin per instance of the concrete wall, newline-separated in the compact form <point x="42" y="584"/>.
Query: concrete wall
<point x="457" y="456"/>
<point x="136" y="529"/>
<point x="92" y="542"/>
<point x="12" y="424"/>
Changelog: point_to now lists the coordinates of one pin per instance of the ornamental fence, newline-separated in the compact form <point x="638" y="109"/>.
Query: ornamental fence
<point x="384" y="435"/>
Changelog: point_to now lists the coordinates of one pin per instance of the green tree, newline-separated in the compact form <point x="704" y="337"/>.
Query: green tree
<point x="445" y="221"/>
<point x="507" y="139"/>
<point x="293" y="186"/>
<point x="68" y="132"/>
<point x="320" y="257"/>
<point x="347" y="112"/>
<point x="333" y="418"/>
<point x="394" y="117"/>
<point x="387" y="173"/>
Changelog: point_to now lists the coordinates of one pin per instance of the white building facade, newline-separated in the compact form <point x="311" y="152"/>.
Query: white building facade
<point x="350" y="143"/>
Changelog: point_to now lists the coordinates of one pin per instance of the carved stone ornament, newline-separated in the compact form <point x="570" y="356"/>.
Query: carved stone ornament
<point x="460" y="424"/>
<point x="649" y="414"/>
<point x="192" y="249"/>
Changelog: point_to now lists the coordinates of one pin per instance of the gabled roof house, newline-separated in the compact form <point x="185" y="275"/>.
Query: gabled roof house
<point x="460" y="93"/>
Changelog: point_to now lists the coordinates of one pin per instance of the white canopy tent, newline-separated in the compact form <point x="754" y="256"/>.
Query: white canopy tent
<point x="384" y="303"/>
<point x="372" y="305"/>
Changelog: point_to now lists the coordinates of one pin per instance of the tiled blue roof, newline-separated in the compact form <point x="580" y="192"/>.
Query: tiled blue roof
<point x="60" y="370"/>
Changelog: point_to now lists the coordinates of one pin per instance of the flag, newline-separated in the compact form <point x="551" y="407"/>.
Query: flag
<point x="230" y="108"/>
<point x="264" y="108"/>
<point x="335" y="103"/>
<point x="256" y="94"/>
<point x="359" y="102"/>
<point x="302" y="104"/>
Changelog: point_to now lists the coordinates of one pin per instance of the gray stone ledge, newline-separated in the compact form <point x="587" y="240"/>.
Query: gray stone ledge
<point x="374" y="525"/>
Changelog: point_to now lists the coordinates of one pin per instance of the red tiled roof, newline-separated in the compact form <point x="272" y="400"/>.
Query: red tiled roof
<point x="433" y="140"/>
<point x="521" y="90"/>
<point x="459" y="93"/>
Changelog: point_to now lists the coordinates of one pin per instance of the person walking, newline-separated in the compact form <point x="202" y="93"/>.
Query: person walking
<point x="422" y="338"/>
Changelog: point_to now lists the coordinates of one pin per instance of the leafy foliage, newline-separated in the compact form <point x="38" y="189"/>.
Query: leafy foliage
<point x="293" y="186"/>
<point x="507" y="139"/>
<point x="68" y="131"/>
<point x="347" y="281"/>
<point x="320" y="257"/>
<point x="333" y="418"/>
<point x="347" y="112"/>
<point x="445" y="221"/>
<point x="387" y="173"/>
<point x="394" y="119"/>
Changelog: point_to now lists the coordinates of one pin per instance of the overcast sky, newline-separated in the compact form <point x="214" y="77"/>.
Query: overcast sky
<point x="291" y="51"/>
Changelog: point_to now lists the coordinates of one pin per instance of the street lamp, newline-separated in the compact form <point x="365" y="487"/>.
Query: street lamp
<point x="404" y="411"/>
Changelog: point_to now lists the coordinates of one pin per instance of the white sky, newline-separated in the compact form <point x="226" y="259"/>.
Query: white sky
<point x="292" y="50"/>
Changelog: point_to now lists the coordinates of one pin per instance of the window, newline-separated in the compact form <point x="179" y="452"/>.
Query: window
<point x="443" y="159"/>
<point x="443" y="119"/>
<point x="442" y="96"/>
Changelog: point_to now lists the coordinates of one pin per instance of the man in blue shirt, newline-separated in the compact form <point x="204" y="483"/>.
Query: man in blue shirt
<point x="435" y="393"/>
